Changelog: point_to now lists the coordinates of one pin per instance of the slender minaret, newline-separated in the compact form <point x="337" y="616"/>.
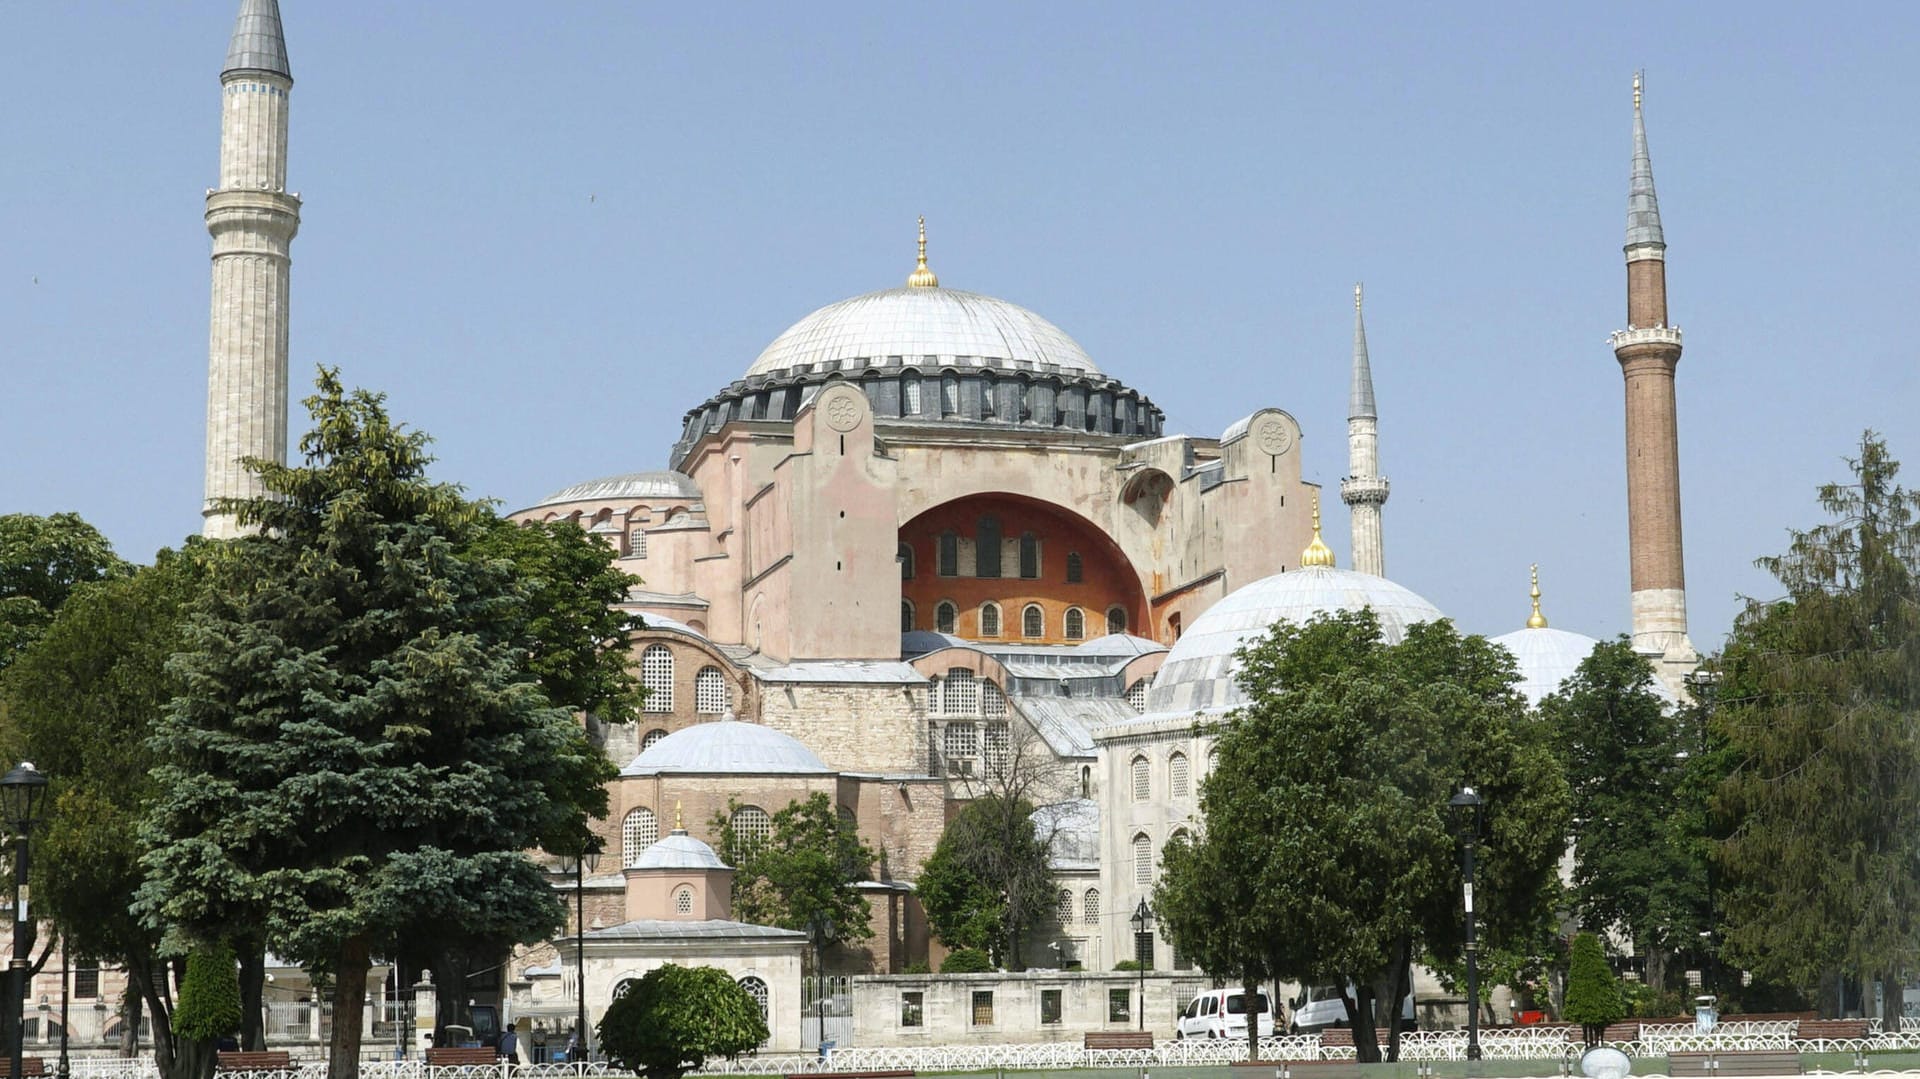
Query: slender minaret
<point x="1648" y="351"/>
<point x="252" y="219"/>
<point x="1364" y="490"/>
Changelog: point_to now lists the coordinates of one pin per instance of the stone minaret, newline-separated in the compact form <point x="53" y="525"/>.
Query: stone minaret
<point x="252" y="219"/>
<point x="1364" y="490"/>
<point x="1648" y="351"/>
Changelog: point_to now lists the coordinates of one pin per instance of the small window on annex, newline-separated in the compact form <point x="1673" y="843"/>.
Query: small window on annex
<point x="945" y="616"/>
<point x="683" y="901"/>
<point x="1075" y="572"/>
<point x="1049" y="1007"/>
<point x="983" y="1007"/>
<point x="1033" y="621"/>
<point x="913" y="1011"/>
<point x="989" y="620"/>
<point x="1119" y="1005"/>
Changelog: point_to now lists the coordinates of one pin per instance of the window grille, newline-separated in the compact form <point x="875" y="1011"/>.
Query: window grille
<point x="949" y="394"/>
<point x="1049" y="1007"/>
<point x="757" y="989"/>
<point x="1076" y="624"/>
<point x="1142" y="779"/>
<point x="1065" y="910"/>
<point x="945" y="616"/>
<point x="1179" y="776"/>
<point x="990" y="620"/>
<point x="710" y="696"/>
<point x="913" y="1008"/>
<point x="1029" y="555"/>
<point x="983" y="1007"/>
<point x="992" y="701"/>
<point x="962" y="741"/>
<point x="683" y="901"/>
<point x="86" y="978"/>
<point x="1033" y="621"/>
<point x="949" y="554"/>
<point x="906" y="616"/>
<point x="961" y="693"/>
<point x="1090" y="906"/>
<point x="1137" y="695"/>
<point x="999" y="744"/>
<point x="986" y="547"/>
<point x="651" y="737"/>
<point x="1116" y="619"/>
<point x="1074" y="570"/>
<point x="1142" y="859"/>
<point x="639" y="831"/>
<point x="637" y="543"/>
<point x="910" y="394"/>
<point x="751" y="826"/>
<point x="656" y="674"/>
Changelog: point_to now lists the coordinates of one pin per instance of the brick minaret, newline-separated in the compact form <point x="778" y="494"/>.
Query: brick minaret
<point x="1648" y="351"/>
<point x="252" y="219"/>
<point x="1364" y="490"/>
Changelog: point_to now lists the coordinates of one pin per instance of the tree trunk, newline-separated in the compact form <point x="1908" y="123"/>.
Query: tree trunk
<point x="193" y="1061"/>
<point x="1251" y="987"/>
<point x="1832" y="994"/>
<point x="1366" y="1044"/>
<point x="1893" y="1000"/>
<point x="349" y="999"/>
<point x="1656" y="960"/>
<point x="130" y="1017"/>
<point x="150" y="980"/>
<point x="253" y="978"/>
<point x="450" y="967"/>
<point x="1397" y="986"/>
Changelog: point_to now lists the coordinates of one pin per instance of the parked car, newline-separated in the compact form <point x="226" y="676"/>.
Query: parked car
<point x="1321" y="1006"/>
<point x="1222" y="1013"/>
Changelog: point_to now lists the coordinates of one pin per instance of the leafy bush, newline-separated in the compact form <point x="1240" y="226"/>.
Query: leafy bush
<point x="1127" y="964"/>
<point x="919" y="967"/>
<point x="670" y="1021"/>
<point x="966" y="961"/>
<point x="209" y="1005"/>
<point x="1593" y="993"/>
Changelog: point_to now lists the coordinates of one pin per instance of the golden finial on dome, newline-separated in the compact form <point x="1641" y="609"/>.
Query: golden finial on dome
<point x="922" y="277"/>
<point x="1317" y="553"/>
<point x="1536" y="620"/>
<point x="678" y="824"/>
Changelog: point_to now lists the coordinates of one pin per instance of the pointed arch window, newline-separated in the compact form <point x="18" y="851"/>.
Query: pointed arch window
<point x="1142" y="778"/>
<point x="1033" y="621"/>
<point x="1064" y="907"/>
<point x="1142" y="859"/>
<point x="656" y="674"/>
<point x="1179" y="776"/>
<point x="949" y="554"/>
<point x="1029" y="556"/>
<point x="1090" y="907"/>
<point x="989" y="620"/>
<point x="986" y="547"/>
<point x="1075" y="572"/>
<point x="1076" y="624"/>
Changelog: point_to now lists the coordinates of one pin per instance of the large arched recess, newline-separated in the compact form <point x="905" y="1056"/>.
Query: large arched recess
<point x="1107" y="580"/>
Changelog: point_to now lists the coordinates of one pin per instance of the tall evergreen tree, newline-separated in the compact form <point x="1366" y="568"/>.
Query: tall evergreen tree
<point x="357" y="748"/>
<point x="1820" y="708"/>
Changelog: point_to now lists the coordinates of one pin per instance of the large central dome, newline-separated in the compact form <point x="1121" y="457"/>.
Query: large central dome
<point x="925" y="326"/>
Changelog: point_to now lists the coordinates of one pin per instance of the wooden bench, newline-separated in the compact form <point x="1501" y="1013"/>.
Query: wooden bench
<point x="1736" y="1062"/>
<point x="455" y="1056"/>
<point x="1336" y="1037"/>
<point x="1620" y="1032"/>
<point x="1119" y="1039"/>
<point x="233" y="1060"/>
<point x="1830" y="1029"/>
<point x="28" y="1066"/>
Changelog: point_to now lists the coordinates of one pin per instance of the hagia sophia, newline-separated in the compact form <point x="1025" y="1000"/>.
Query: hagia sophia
<point x="923" y="538"/>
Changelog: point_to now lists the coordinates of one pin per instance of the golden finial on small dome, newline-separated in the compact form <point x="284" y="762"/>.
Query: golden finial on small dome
<point x="1536" y="620"/>
<point x="1317" y="553"/>
<point x="678" y="824"/>
<point x="922" y="277"/>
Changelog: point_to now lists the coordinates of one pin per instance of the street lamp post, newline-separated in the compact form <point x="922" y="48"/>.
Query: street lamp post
<point x="580" y="865"/>
<point x="1466" y="809"/>
<point x="21" y="789"/>
<point x="1142" y="917"/>
<point x="66" y="978"/>
<point x="822" y="931"/>
<point x="1704" y="685"/>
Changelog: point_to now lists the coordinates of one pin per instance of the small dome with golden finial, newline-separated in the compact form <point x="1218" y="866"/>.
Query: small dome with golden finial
<point x="1317" y="552"/>
<point x="921" y="277"/>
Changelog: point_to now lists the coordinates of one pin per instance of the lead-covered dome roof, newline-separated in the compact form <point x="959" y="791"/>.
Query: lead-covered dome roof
<point x="678" y="850"/>
<point x="1198" y="673"/>
<point x="1547" y="657"/>
<point x="726" y="747"/>
<point x="924" y="326"/>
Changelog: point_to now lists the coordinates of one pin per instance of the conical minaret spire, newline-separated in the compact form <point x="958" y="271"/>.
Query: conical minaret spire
<point x="252" y="218"/>
<point x="1649" y="352"/>
<point x="1364" y="490"/>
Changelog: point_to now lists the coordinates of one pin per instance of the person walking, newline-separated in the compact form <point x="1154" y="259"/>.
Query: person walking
<point x="509" y="1047"/>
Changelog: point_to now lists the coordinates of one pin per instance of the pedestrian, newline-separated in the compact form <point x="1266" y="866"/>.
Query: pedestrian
<point x="509" y="1047"/>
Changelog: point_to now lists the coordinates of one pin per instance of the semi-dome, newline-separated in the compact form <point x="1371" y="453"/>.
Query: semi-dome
<point x="924" y="326"/>
<point x="1198" y="673"/>
<point x="678" y="850"/>
<point x="726" y="747"/>
<point x="661" y="484"/>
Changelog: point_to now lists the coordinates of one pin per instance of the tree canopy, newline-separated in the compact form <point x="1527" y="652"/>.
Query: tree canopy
<point x="987" y="884"/>
<point x="1818" y="700"/>
<point x="359" y="745"/>
<point x="802" y="875"/>
<point x="42" y="561"/>
<point x="1326" y="818"/>
<point x="673" y="1018"/>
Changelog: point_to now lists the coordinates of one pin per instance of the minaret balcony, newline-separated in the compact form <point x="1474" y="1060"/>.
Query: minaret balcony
<point x="1364" y="490"/>
<point x="1651" y="335"/>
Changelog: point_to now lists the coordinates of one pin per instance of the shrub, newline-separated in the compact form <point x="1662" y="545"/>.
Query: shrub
<point x="670" y="1021"/>
<point x="1593" y="993"/>
<point x="919" y="967"/>
<point x="209" y="1005"/>
<point x="1127" y="964"/>
<point x="966" y="961"/>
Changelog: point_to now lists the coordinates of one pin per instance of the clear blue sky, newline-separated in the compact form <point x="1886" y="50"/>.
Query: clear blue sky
<point x="546" y="230"/>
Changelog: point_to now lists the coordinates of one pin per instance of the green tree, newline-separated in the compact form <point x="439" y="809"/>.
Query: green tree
<point x="356" y="750"/>
<point x="962" y="909"/>
<point x="209" y="1007"/>
<point x="1210" y="913"/>
<point x="674" y="1018"/>
<point x="1330" y="800"/>
<point x="1593" y="993"/>
<point x="1818" y="705"/>
<point x="1637" y="865"/>
<point x="803" y="875"/>
<point x="987" y="883"/>
<point x="42" y="561"/>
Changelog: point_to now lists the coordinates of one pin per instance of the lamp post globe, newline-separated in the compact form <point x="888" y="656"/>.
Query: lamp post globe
<point x="20" y="794"/>
<point x="1465" y="809"/>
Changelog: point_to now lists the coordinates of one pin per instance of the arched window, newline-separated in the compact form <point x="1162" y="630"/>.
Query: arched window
<point x="751" y="826"/>
<point x="1074" y="570"/>
<point x="945" y="614"/>
<point x="1090" y="906"/>
<point x="683" y="901"/>
<point x="1142" y="859"/>
<point x="1086" y="781"/>
<point x="989" y="620"/>
<point x="710" y="696"/>
<point x="1076" y="624"/>
<point x="986" y="547"/>
<point x="905" y="558"/>
<point x="961" y="692"/>
<point x="757" y="989"/>
<point x="1142" y="779"/>
<point x="651" y="737"/>
<point x="1064" y="910"/>
<point x="949" y="394"/>
<point x="1029" y="556"/>
<point x="1180" y="835"/>
<point x="993" y="703"/>
<point x="1116" y="619"/>
<point x="986" y="395"/>
<point x="639" y="831"/>
<point x="910" y="394"/>
<point x="906" y="616"/>
<point x="656" y="674"/>
<point x="949" y="554"/>
<point x="1179" y="776"/>
<point x="1033" y="621"/>
<point x="1137" y="695"/>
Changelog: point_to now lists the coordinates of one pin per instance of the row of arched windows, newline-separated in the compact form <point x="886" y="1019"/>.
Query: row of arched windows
<point x="987" y="555"/>
<point x="1033" y="620"/>
<point x="641" y="829"/>
<point x="711" y="695"/>
<point x="1089" y="907"/>
<point x="1179" y="776"/>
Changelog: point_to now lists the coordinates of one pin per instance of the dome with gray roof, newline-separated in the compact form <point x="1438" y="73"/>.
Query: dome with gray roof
<point x="678" y="850"/>
<point x="661" y="484"/>
<point x="726" y="747"/>
<point x="927" y="327"/>
<point x="1198" y="675"/>
<point x="1548" y="657"/>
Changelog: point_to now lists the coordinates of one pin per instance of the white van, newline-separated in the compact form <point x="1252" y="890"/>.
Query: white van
<point x="1320" y="1006"/>
<point x="1222" y="1013"/>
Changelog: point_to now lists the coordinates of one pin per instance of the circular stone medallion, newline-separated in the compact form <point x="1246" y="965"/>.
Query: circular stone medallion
<point x="843" y="409"/>
<point x="1270" y="433"/>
